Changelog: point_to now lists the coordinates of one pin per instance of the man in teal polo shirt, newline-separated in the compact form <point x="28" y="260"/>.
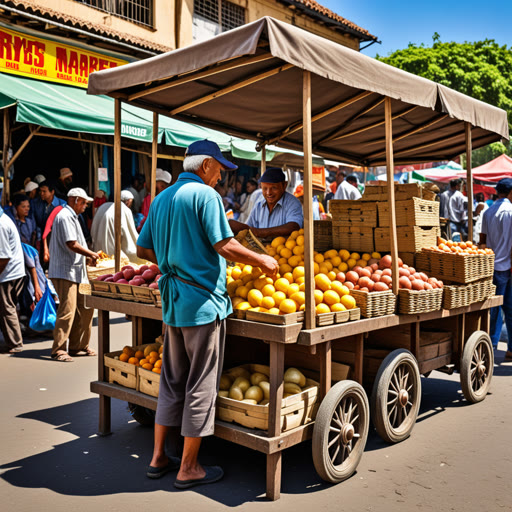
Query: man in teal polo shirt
<point x="187" y="234"/>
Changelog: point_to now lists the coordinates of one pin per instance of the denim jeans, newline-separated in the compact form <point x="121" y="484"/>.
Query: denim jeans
<point x="503" y="281"/>
<point x="459" y="227"/>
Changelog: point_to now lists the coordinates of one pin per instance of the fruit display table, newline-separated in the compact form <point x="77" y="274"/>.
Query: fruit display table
<point x="318" y="348"/>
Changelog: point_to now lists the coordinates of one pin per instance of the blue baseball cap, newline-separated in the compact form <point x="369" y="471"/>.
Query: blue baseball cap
<point x="272" y="175"/>
<point x="209" y="148"/>
<point x="504" y="186"/>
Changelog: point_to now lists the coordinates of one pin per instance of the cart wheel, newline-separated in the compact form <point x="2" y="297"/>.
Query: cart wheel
<point x="142" y="415"/>
<point x="340" y="432"/>
<point x="396" y="396"/>
<point x="476" y="367"/>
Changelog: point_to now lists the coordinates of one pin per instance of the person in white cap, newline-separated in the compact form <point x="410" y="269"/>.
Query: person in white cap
<point x="31" y="190"/>
<point x="103" y="229"/>
<point x="163" y="180"/>
<point x="39" y="178"/>
<point x="68" y="259"/>
<point x="64" y="183"/>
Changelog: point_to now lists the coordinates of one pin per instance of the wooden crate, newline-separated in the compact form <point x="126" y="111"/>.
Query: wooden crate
<point x="457" y="296"/>
<point x="353" y="213"/>
<point x="296" y="410"/>
<point x="409" y="258"/>
<point x="411" y="212"/>
<point x="322" y="235"/>
<point x="353" y="238"/>
<point x="148" y="382"/>
<point x="325" y="319"/>
<point x="269" y="318"/>
<point x="354" y="314"/>
<point x="410" y="238"/>
<point x="412" y="302"/>
<point x="402" y="192"/>
<point x="457" y="268"/>
<point x="372" y="304"/>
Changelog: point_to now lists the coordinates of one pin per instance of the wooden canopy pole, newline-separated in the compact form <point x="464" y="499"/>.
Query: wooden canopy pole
<point x="263" y="166"/>
<point x="5" y="156"/>
<point x="154" y="156"/>
<point x="308" y="199"/>
<point x="469" y="181"/>
<point x="117" y="182"/>
<point x="390" y="171"/>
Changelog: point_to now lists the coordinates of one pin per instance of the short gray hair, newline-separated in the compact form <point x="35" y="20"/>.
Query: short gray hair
<point x="193" y="162"/>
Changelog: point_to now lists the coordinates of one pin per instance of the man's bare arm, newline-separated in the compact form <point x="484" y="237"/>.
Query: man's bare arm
<point x="146" y="254"/>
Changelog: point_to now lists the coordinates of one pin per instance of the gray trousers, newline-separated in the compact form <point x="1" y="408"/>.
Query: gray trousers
<point x="192" y="362"/>
<point x="9" y="323"/>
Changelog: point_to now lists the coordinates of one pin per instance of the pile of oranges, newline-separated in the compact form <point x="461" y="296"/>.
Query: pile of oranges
<point x="250" y="289"/>
<point x="449" y="246"/>
<point x="152" y="361"/>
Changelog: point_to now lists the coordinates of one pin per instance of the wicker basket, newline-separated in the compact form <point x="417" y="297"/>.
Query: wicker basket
<point x="353" y="238"/>
<point x="410" y="238"/>
<point x="353" y="213"/>
<point x="411" y="212"/>
<point x="458" y="268"/>
<point x="374" y="304"/>
<point x="402" y="192"/>
<point x="248" y="240"/>
<point x="457" y="296"/>
<point x="322" y="235"/>
<point x="411" y="302"/>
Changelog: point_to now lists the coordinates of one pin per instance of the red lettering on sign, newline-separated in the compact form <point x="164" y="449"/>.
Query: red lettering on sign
<point x="93" y="64"/>
<point x="19" y="43"/>
<point x="73" y="62"/>
<point x="39" y="49"/>
<point x="84" y="65"/>
<point x="61" y="63"/>
<point x="103" y="64"/>
<point x="5" y="46"/>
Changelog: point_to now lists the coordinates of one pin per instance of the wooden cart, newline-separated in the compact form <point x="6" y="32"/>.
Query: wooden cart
<point x="341" y="427"/>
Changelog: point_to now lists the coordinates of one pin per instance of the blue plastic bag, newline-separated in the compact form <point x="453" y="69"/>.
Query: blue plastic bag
<point x="45" y="313"/>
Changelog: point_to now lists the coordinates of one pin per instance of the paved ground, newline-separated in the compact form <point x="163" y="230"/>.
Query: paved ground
<point x="459" y="457"/>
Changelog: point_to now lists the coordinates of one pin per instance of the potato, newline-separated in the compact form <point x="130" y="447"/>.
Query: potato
<point x="223" y="393"/>
<point x="242" y="383"/>
<point x="236" y="393"/>
<point x="292" y="388"/>
<point x="265" y="386"/>
<point x="256" y="378"/>
<point x="254" y="393"/>
<point x="225" y="382"/>
<point x="295" y="376"/>
<point x="239" y="372"/>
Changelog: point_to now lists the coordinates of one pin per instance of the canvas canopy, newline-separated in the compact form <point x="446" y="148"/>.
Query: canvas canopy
<point x="248" y="82"/>
<point x="493" y="171"/>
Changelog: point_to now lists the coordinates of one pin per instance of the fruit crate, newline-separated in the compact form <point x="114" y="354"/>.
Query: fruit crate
<point x="322" y="235"/>
<point x="372" y="304"/>
<point x="411" y="212"/>
<point x="409" y="238"/>
<point x="148" y="382"/>
<point x="402" y="192"/>
<point x="353" y="213"/>
<point x="457" y="268"/>
<point x="296" y="410"/>
<point x="411" y="302"/>
<point x="103" y="289"/>
<point x="355" y="238"/>
<point x="457" y="296"/>
<point x="269" y="318"/>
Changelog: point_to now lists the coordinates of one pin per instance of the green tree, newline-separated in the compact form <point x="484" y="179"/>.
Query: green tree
<point x="482" y="69"/>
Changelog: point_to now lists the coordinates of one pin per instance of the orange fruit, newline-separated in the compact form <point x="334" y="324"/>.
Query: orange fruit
<point x="278" y="297"/>
<point x="281" y="284"/>
<point x="139" y="354"/>
<point x="268" y="302"/>
<point x="156" y="370"/>
<point x="158" y="364"/>
<point x="153" y="360"/>
<point x="129" y="351"/>
<point x="133" y="360"/>
<point x="338" y="307"/>
<point x="331" y="297"/>
<point x="322" y="282"/>
<point x="153" y="354"/>
<point x="288" y="306"/>
<point x="348" y="301"/>
<point x="124" y="357"/>
<point x="147" y="366"/>
<point x="255" y="297"/>
<point x="319" y="296"/>
<point x="143" y="361"/>
<point x="293" y="288"/>
<point x="322" y="308"/>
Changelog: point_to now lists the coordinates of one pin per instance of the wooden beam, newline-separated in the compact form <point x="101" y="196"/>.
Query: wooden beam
<point x="231" y="88"/>
<point x="263" y="164"/>
<point x="404" y="135"/>
<point x="21" y="148"/>
<point x="154" y="152"/>
<point x="308" y="200"/>
<point x="117" y="182"/>
<point x="469" y="182"/>
<point x="349" y="121"/>
<point x="295" y="127"/>
<point x="428" y="145"/>
<point x="202" y="74"/>
<point x="390" y="171"/>
<point x="5" y="156"/>
<point x="371" y="126"/>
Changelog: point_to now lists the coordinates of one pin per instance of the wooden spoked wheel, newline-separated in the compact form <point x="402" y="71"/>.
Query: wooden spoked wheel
<point x="340" y="432"/>
<point x="477" y="367"/>
<point x="396" y="396"/>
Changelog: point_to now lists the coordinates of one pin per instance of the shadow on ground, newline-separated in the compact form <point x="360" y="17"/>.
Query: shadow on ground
<point x="94" y="466"/>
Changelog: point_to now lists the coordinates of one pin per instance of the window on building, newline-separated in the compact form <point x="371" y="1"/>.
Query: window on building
<point x="137" y="11"/>
<point x="211" y="17"/>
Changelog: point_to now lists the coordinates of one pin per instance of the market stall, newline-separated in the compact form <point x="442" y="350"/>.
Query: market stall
<point x="254" y="82"/>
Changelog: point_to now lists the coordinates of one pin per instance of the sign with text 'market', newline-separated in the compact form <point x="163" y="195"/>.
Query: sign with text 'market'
<point x="25" y="55"/>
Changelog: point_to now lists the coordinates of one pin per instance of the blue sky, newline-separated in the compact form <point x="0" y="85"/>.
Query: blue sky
<point x="397" y="24"/>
